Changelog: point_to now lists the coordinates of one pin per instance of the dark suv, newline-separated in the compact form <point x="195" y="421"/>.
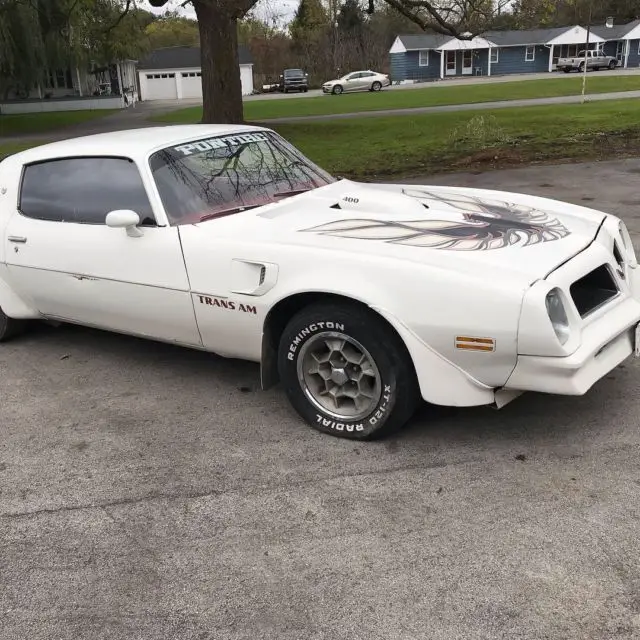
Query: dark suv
<point x="293" y="80"/>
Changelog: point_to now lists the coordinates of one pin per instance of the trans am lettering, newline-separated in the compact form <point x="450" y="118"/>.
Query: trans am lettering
<point x="484" y="225"/>
<point x="219" y="143"/>
<point x="227" y="304"/>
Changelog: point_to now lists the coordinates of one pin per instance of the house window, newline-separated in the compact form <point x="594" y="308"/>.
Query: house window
<point x="423" y="58"/>
<point x="495" y="56"/>
<point x="530" y="54"/>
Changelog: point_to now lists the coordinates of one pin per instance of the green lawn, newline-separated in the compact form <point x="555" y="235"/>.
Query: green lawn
<point x="27" y="123"/>
<point x="14" y="147"/>
<point x="430" y="143"/>
<point x="434" y="95"/>
<point x="376" y="148"/>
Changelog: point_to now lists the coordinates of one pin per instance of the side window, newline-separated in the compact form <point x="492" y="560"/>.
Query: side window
<point x="83" y="190"/>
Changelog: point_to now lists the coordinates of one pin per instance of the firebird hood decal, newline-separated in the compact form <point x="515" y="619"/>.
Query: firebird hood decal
<point x="484" y="225"/>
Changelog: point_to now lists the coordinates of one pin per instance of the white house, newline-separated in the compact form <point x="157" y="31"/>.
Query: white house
<point x="174" y="73"/>
<point x="112" y="86"/>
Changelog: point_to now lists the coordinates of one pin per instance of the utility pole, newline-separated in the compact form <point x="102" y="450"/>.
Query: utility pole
<point x="586" y="53"/>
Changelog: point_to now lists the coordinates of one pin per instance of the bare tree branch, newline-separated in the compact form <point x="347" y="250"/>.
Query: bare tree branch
<point x="121" y="17"/>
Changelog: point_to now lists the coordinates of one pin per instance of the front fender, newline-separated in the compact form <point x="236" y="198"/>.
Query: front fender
<point x="441" y="381"/>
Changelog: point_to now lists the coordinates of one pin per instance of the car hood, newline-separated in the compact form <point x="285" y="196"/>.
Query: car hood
<point x="447" y="227"/>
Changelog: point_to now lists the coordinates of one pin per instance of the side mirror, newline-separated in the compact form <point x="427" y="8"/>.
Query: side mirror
<point x="125" y="219"/>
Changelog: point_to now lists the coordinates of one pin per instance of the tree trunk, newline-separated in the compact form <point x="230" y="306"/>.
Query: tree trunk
<point x="221" y="86"/>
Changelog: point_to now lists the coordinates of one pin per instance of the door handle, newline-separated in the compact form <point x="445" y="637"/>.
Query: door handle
<point x="20" y="239"/>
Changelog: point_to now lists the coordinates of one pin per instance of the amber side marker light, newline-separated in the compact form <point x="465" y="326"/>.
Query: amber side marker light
<point x="475" y="344"/>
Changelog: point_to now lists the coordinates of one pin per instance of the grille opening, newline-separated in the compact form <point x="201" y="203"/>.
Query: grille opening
<point x="593" y="290"/>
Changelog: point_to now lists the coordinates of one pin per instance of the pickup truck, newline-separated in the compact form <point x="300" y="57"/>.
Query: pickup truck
<point x="596" y="60"/>
<point x="293" y="80"/>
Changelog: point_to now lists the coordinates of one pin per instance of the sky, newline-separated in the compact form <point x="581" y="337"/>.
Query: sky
<point x="281" y="10"/>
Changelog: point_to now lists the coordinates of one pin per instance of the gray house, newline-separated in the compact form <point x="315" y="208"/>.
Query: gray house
<point x="423" y="57"/>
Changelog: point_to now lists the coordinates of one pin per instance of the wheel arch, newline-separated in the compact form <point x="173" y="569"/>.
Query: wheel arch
<point x="279" y="315"/>
<point x="440" y="381"/>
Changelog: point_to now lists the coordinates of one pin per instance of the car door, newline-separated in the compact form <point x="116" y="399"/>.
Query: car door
<point x="64" y="258"/>
<point x="352" y="82"/>
<point x="365" y="80"/>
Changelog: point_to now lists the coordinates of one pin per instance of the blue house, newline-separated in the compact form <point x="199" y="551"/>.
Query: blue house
<point x="623" y="42"/>
<point x="424" y="57"/>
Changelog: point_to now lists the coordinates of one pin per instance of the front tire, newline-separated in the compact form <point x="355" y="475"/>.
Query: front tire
<point x="346" y="372"/>
<point x="612" y="65"/>
<point x="337" y="90"/>
<point x="10" y="327"/>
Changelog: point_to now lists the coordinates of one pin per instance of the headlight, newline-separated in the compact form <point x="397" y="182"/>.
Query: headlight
<point x="558" y="315"/>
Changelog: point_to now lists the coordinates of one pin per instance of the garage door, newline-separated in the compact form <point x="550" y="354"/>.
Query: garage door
<point x="161" y="86"/>
<point x="191" y="84"/>
<point x="246" y="78"/>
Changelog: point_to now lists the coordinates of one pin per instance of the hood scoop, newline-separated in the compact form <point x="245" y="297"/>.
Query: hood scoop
<point x="379" y="201"/>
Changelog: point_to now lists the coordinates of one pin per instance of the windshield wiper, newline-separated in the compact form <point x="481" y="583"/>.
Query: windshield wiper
<point x="227" y="212"/>
<point x="293" y="192"/>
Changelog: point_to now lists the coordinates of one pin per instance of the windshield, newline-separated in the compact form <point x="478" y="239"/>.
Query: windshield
<point x="293" y="73"/>
<point x="224" y="174"/>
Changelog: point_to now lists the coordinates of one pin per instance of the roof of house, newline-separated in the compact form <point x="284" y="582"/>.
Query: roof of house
<point x="184" y="58"/>
<point x="515" y="38"/>
<point x="617" y="31"/>
<point x="423" y="41"/>
<point x="530" y="36"/>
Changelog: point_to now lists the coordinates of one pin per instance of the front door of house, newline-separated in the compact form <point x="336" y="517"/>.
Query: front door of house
<point x="451" y="63"/>
<point x="467" y="63"/>
<point x="620" y="51"/>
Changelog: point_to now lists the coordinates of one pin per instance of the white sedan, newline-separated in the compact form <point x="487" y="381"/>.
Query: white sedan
<point x="362" y="300"/>
<point x="357" y="81"/>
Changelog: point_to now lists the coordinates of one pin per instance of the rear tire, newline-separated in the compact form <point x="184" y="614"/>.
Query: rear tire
<point x="346" y="372"/>
<point x="376" y="86"/>
<point x="612" y="65"/>
<point x="567" y="70"/>
<point x="9" y="327"/>
<point x="581" y="67"/>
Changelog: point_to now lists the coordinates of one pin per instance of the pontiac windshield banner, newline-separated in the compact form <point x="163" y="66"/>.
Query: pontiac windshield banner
<point x="219" y="142"/>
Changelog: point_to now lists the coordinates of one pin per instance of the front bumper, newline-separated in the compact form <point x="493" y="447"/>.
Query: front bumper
<point x="600" y="340"/>
<point x="605" y="345"/>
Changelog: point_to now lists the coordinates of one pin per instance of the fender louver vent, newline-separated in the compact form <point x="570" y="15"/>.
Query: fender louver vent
<point x="263" y="273"/>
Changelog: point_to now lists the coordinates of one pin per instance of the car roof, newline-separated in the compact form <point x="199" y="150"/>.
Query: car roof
<point x="133" y="143"/>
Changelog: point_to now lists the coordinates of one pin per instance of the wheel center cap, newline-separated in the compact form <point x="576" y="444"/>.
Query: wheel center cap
<point x="339" y="376"/>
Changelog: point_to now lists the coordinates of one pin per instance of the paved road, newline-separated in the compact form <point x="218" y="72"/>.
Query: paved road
<point x="149" y="492"/>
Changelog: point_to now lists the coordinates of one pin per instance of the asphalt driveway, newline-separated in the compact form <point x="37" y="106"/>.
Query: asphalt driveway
<point x="152" y="493"/>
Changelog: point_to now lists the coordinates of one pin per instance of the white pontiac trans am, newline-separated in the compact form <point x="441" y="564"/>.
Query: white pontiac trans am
<point x="362" y="300"/>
